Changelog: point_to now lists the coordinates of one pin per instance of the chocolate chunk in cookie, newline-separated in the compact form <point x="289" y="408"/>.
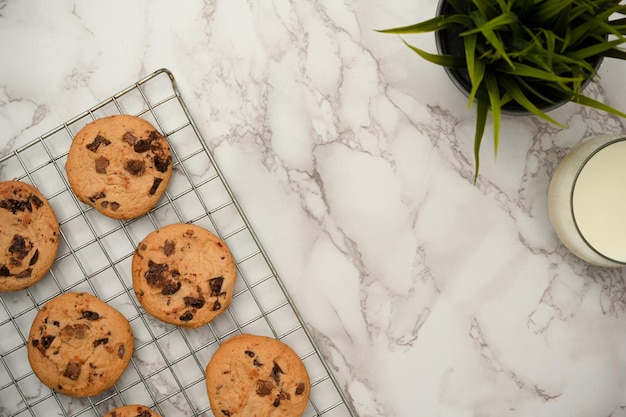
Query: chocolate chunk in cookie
<point x="129" y="138"/>
<point x="97" y="142"/>
<point x="168" y="247"/>
<point x="90" y="315"/>
<point x="79" y="346"/>
<point x="280" y="390"/>
<point x="216" y="285"/>
<point x="162" y="164"/>
<point x="136" y="167"/>
<point x="132" y="411"/>
<point x="183" y="274"/>
<point x="101" y="165"/>
<point x="155" y="185"/>
<point x="142" y="146"/>
<point x="120" y="157"/>
<point x="29" y="235"/>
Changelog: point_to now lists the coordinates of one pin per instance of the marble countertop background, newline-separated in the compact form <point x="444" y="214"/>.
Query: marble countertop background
<point x="352" y="157"/>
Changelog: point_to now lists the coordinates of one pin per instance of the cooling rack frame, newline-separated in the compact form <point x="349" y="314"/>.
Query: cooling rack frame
<point x="166" y="372"/>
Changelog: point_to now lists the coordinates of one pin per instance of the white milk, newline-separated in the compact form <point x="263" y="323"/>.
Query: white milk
<point x="599" y="201"/>
<point x="587" y="201"/>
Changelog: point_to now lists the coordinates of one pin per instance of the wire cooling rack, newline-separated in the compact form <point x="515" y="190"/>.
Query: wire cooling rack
<point x="166" y="371"/>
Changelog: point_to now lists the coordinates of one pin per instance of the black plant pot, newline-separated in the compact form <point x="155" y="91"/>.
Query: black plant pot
<point x="449" y="41"/>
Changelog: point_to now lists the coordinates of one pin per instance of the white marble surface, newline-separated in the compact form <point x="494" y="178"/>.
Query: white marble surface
<point x="429" y="295"/>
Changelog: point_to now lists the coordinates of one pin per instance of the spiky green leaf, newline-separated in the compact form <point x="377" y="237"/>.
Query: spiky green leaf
<point x="482" y="110"/>
<point x="483" y="25"/>
<point x="422" y="27"/>
<point x="589" y="102"/>
<point x="486" y="28"/>
<point x="548" y="10"/>
<point x="615" y="53"/>
<point x="475" y="68"/>
<point x="493" y="91"/>
<point x="523" y="70"/>
<point x="528" y="51"/>
<point x="518" y="95"/>
<point x="486" y="7"/>
<point x="450" y="61"/>
<point x="593" y="50"/>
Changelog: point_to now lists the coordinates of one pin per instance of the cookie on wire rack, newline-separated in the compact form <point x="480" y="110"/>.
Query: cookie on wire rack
<point x="256" y="375"/>
<point x="120" y="165"/>
<point x="78" y="345"/>
<point x="133" y="410"/>
<point x="184" y="275"/>
<point x="29" y="235"/>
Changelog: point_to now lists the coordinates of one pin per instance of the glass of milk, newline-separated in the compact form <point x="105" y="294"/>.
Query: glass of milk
<point x="587" y="201"/>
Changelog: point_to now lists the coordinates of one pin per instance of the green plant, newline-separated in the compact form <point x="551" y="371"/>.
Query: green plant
<point x="526" y="51"/>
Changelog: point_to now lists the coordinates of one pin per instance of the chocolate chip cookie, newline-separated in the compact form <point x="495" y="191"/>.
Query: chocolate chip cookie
<point x="120" y="165"/>
<point x="183" y="274"/>
<point x="132" y="411"/>
<point x="78" y="345"/>
<point x="29" y="235"/>
<point x="256" y="375"/>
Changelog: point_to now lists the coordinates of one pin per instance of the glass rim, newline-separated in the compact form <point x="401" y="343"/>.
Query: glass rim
<point x="571" y="198"/>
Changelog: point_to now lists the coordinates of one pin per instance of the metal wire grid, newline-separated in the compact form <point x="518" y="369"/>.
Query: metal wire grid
<point x="167" y="368"/>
